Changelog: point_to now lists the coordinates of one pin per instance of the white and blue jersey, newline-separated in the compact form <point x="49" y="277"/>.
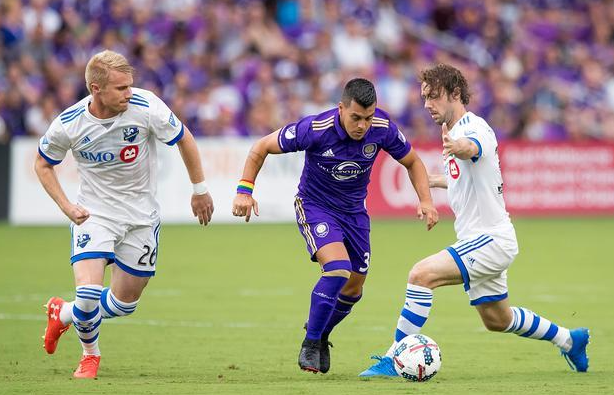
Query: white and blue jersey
<point x="486" y="244"/>
<point x="116" y="157"/>
<point x="475" y="186"/>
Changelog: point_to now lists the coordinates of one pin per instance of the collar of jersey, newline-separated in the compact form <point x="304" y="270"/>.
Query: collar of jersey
<point x="98" y="120"/>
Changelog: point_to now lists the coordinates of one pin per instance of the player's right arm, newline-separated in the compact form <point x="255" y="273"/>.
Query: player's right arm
<point x="243" y="204"/>
<point x="52" y="148"/>
<point x="49" y="180"/>
<point x="438" y="181"/>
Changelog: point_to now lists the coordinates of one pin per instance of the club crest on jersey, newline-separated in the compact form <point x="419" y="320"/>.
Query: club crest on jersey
<point x="83" y="239"/>
<point x="454" y="169"/>
<point x="321" y="229"/>
<point x="172" y="120"/>
<point x="369" y="150"/>
<point x="130" y="134"/>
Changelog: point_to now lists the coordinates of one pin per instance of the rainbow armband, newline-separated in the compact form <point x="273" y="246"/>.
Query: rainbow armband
<point x="245" y="187"/>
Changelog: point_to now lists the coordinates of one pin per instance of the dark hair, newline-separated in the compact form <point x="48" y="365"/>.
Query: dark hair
<point x="361" y="91"/>
<point x="447" y="77"/>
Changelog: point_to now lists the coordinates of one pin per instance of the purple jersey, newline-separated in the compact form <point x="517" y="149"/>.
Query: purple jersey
<point x="337" y="168"/>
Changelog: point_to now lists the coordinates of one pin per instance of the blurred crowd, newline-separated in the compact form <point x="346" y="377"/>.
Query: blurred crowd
<point x="538" y="70"/>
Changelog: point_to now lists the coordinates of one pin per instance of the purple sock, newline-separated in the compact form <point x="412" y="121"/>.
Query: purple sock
<point x="324" y="297"/>
<point x="342" y="309"/>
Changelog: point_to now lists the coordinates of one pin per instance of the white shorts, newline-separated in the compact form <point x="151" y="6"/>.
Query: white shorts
<point x="133" y="248"/>
<point x="483" y="263"/>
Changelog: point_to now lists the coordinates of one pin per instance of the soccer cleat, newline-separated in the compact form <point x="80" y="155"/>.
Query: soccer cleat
<point x="55" y="328"/>
<point x="325" y="353"/>
<point x="88" y="367"/>
<point x="309" y="356"/>
<point x="576" y="357"/>
<point x="385" y="367"/>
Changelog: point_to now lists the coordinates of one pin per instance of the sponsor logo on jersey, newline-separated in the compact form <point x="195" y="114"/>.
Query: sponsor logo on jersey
<point x="345" y="170"/>
<point x="172" y="120"/>
<point x="454" y="169"/>
<point x="471" y="260"/>
<point x="369" y="150"/>
<point x="130" y="134"/>
<point x="99" y="157"/>
<point x="401" y="137"/>
<point x="83" y="239"/>
<point x="128" y="154"/>
<point x="85" y="140"/>
<point x="44" y="143"/>
<point x="321" y="229"/>
<point x="290" y="132"/>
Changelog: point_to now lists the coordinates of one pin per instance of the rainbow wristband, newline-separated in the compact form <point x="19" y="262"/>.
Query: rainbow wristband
<point x="245" y="187"/>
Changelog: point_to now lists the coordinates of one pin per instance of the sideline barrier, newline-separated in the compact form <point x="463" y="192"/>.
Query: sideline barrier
<point x="539" y="179"/>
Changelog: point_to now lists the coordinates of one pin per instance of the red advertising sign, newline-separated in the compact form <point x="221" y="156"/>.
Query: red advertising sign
<point x="538" y="179"/>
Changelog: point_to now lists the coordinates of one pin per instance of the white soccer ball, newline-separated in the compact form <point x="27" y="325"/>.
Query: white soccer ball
<point x="417" y="358"/>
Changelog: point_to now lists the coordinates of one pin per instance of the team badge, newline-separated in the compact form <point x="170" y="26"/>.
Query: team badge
<point x="130" y="134"/>
<point x="172" y="120"/>
<point x="128" y="154"/>
<point x="369" y="150"/>
<point x="83" y="239"/>
<point x="454" y="169"/>
<point x="321" y="229"/>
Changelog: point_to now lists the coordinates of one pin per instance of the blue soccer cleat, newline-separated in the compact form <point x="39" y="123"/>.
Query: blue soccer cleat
<point x="385" y="367"/>
<point x="576" y="357"/>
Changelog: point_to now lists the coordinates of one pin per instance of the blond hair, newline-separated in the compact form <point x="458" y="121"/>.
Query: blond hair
<point x="99" y="66"/>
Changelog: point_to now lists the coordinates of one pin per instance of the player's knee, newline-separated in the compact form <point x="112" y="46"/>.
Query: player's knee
<point x="337" y="269"/>
<point x="352" y="290"/>
<point x="495" y="325"/>
<point x="422" y="275"/>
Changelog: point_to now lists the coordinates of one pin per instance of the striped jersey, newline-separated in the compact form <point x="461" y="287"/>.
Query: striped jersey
<point x="475" y="186"/>
<point x="115" y="157"/>
<point x="337" y="168"/>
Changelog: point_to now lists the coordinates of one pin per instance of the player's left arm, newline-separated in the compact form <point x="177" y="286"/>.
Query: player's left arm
<point x="462" y="148"/>
<point x="420" y="180"/>
<point x="202" y="203"/>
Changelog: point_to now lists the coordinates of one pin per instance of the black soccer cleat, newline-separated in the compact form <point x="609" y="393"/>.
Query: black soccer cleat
<point x="309" y="357"/>
<point x="325" y="353"/>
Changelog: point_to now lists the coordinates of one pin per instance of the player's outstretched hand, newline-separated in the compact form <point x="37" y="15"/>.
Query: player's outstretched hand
<point x="76" y="213"/>
<point x="243" y="205"/>
<point x="428" y="211"/>
<point x="448" y="142"/>
<point x="202" y="207"/>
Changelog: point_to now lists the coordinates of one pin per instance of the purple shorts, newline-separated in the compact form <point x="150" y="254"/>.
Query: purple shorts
<point x="320" y="226"/>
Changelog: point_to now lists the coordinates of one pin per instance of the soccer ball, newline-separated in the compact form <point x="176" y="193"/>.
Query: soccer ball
<point x="417" y="358"/>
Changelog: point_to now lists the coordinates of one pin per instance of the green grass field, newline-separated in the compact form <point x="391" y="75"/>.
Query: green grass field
<point x="224" y="314"/>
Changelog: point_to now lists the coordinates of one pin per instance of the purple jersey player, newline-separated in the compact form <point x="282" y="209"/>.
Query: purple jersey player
<point x="340" y="148"/>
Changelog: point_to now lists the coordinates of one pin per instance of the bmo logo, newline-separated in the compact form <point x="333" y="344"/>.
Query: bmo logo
<point x="128" y="154"/>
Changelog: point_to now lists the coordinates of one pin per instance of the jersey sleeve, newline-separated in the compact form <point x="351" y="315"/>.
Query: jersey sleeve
<point x="395" y="142"/>
<point x="484" y="138"/>
<point x="296" y="136"/>
<point x="54" y="144"/>
<point x="164" y="124"/>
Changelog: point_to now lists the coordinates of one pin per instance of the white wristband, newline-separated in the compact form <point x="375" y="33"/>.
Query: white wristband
<point x="200" y="188"/>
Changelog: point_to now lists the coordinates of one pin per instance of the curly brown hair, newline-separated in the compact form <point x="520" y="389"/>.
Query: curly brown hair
<point x="448" y="78"/>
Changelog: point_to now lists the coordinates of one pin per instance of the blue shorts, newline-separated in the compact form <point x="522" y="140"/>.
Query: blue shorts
<point x="320" y="226"/>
